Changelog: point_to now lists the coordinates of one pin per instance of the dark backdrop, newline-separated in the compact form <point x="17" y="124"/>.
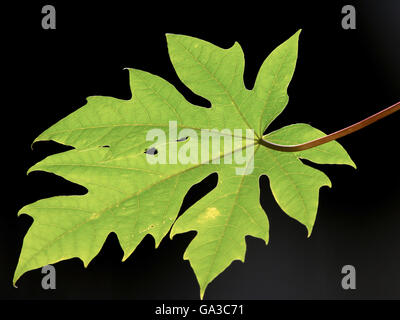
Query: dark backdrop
<point x="342" y="76"/>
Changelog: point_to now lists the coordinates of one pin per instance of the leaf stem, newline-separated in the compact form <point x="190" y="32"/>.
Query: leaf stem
<point x="333" y="136"/>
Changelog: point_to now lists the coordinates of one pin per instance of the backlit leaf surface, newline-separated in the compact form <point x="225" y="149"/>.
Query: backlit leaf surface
<point x="132" y="197"/>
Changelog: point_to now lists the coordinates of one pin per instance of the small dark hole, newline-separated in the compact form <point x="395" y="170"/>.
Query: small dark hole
<point x="152" y="151"/>
<point x="182" y="139"/>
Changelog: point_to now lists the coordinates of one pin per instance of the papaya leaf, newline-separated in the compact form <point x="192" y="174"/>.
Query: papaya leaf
<point x="139" y="157"/>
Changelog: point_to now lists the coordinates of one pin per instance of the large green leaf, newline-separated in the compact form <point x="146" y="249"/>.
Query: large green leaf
<point x="130" y="195"/>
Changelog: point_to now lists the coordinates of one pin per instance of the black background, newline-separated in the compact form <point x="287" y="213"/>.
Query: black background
<point x="342" y="76"/>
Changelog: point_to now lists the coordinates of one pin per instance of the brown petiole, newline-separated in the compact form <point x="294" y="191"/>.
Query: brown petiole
<point x="333" y="136"/>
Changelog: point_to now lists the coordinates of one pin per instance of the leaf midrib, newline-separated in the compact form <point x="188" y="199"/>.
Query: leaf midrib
<point x="132" y="125"/>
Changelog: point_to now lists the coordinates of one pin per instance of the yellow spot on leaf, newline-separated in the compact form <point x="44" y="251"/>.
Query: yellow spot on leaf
<point x="94" y="216"/>
<point x="209" y="214"/>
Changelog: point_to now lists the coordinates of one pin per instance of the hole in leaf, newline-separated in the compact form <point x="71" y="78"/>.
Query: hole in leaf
<point x="182" y="139"/>
<point x="152" y="151"/>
